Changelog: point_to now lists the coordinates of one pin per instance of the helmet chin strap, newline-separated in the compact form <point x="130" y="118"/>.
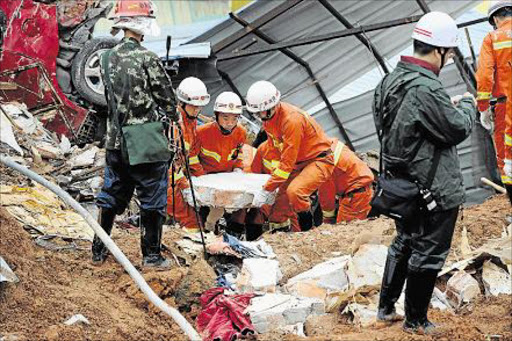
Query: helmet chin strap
<point x="268" y="115"/>
<point x="184" y="107"/>
<point x="223" y="130"/>
<point x="443" y="56"/>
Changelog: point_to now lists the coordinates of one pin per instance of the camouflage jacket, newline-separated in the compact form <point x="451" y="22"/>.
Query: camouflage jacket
<point x="140" y="85"/>
<point x="425" y="119"/>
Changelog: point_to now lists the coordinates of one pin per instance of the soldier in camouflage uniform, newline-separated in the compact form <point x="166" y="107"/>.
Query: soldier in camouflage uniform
<point x="139" y="86"/>
<point x="418" y="118"/>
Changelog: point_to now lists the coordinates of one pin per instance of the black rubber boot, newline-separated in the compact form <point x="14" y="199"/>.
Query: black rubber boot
<point x="106" y="220"/>
<point x="253" y="231"/>
<point x="237" y="230"/>
<point x="305" y="220"/>
<point x="420" y="286"/>
<point x="151" y="235"/>
<point x="318" y="216"/>
<point x="393" y="281"/>
<point x="509" y="192"/>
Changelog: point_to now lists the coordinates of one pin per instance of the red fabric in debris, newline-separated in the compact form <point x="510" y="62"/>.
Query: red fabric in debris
<point x="222" y="317"/>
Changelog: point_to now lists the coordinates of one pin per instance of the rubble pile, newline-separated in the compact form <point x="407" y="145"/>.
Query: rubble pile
<point x="78" y="170"/>
<point x="252" y="286"/>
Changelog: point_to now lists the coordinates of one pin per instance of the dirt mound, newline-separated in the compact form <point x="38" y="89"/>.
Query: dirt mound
<point x="57" y="285"/>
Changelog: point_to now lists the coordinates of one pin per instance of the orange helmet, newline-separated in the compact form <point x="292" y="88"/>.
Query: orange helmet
<point x="133" y="8"/>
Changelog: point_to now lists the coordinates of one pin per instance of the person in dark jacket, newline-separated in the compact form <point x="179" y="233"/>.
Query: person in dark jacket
<point x="139" y="85"/>
<point x="418" y="118"/>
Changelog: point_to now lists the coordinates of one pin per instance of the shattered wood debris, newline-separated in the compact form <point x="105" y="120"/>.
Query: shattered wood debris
<point x="41" y="210"/>
<point x="77" y="170"/>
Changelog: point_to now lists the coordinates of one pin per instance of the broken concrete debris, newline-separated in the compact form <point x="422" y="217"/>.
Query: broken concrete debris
<point x="77" y="319"/>
<point x="6" y="274"/>
<point x="496" y="280"/>
<point x="366" y="267"/>
<point x="461" y="289"/>
<point x="322" y="279"/>
<point x="259" y="275"/>
<point x="276" y="311"/>
<point x="361" y="315"/>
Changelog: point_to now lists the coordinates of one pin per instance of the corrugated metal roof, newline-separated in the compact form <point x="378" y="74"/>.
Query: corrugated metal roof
<point x="370" y="79"/>
<point x="335" y="63"/>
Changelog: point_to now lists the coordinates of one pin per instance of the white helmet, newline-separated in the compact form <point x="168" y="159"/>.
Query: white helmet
<point x="436" y="29"/>
<point x="262" y="96"/>
<point x="228" y="103"/>
<point x="193" y="91"/>
<point x="495" y="6"/>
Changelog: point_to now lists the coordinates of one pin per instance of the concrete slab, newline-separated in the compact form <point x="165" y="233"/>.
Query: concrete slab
<point x="259" y="274"/>
<point x="322" y="279"/>
<point x="367" y="265"/>
<point x="496" y="280"/>
<point x="231" y="191"/>
<point x="277" y="311"/>
<point x="461" y="288"/>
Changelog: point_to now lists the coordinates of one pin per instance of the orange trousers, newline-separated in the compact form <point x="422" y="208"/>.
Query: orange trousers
<point x="354" y="206"/>
<point x="508" y="141"/>
<point x="293" y="195"/>
<point x="499" y="135"/>
<point x="184" y="214"/>
<point x="351" y="206"/>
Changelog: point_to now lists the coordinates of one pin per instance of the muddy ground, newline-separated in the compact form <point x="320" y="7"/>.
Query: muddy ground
<point x="55" y="285"/>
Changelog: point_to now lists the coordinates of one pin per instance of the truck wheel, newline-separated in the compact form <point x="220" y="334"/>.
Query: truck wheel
<point x="85" y="70"/>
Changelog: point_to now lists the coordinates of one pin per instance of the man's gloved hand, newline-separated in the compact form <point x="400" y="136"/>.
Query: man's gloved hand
<point x="486" y="119"/>
<point x="238" y="170"/>
<point x="261" y="198"/>
<point x="508" y="168"/>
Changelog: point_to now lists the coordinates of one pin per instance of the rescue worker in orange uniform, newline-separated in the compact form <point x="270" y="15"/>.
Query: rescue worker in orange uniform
<point x="192" y="97"/>
<point x="306" y="159"/>
<point x="221" y="144"/>
<point x="494" y="78"/>
<point x="351" y="182"/>
<point x="281" y="217"/>
<point x="221" y="141"/>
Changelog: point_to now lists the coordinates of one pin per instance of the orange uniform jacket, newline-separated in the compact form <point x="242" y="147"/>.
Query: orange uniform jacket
<point x="266" y="159"/>
<point x="494" y="78"/>
<point x="297" y="137"/>
<point x="183" y="213"/>
<point x="220" y="153"/>
<point x="189" y="130"/>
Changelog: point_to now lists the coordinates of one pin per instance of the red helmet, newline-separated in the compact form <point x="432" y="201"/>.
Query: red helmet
<point x="133" y="8"/>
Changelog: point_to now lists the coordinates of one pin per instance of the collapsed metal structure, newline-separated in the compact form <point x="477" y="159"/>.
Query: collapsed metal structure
<point x="229" y="48"/>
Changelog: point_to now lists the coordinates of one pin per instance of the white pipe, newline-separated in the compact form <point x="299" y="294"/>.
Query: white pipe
<point x="493" y="185"/>
<point x="111" y="246"/>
